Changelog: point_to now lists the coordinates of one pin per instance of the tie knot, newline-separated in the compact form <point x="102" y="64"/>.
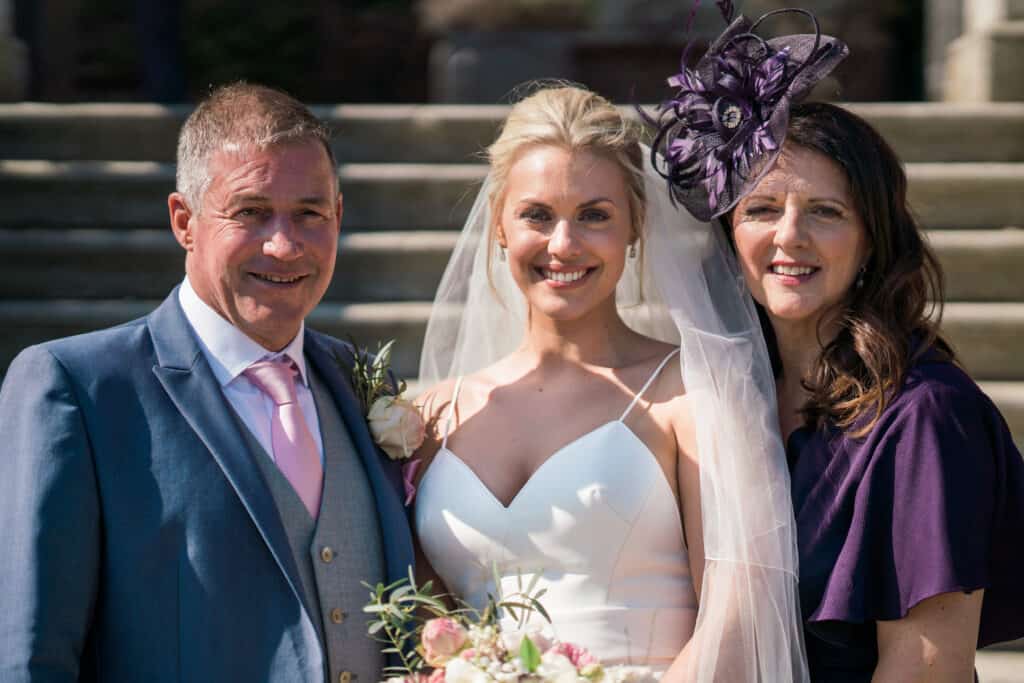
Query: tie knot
<point x="275" y="378"/>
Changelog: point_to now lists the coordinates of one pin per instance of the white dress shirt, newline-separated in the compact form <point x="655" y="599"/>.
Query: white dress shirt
<point x="229" y="352"/>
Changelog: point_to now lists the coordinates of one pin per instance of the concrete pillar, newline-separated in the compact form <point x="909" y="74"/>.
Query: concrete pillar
<point x="13" y="58"/>
<point x="985" y="63"/>
<point x="982" y="14"/>
<point x="944" y="23"/>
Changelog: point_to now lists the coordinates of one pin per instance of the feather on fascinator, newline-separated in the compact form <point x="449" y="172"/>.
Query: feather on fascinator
<point x="725" y="126"/>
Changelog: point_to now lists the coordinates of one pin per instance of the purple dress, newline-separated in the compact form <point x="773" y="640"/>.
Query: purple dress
<point x="930" y="501"/>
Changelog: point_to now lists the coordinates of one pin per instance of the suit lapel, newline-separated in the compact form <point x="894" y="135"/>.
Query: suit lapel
<point x="335" y="368"/>
<point x="186" y="377"/>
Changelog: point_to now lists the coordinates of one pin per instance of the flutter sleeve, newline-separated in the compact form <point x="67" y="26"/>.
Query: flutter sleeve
<point x="936" y="510"/>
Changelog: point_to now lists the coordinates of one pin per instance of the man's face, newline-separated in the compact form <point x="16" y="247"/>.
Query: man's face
<point x="261" y="251"/>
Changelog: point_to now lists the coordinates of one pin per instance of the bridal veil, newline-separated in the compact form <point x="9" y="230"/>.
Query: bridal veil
<point x="685" y="288"/>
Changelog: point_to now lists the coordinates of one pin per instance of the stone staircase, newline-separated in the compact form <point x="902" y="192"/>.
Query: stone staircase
<point x="84" y="241"/>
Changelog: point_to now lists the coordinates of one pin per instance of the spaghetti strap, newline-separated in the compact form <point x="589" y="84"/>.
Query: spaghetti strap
<point x="650" y="380"/>
<point x="451" y="412"/>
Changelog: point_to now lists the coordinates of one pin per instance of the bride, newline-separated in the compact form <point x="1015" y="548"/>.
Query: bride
<point x="604" y="413"/>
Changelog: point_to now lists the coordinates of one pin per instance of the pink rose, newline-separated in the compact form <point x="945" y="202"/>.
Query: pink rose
<point x="442" y="639"/>
<point x="437" y="675"/>
<point x="579" y="656"/>
<point x="468" y="654"/>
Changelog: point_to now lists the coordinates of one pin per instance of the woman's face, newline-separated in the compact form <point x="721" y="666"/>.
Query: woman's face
<point x="565" y="221"/>
<point x="799" y="239"/>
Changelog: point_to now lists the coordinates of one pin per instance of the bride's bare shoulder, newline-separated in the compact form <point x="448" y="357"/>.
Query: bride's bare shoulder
<point x="667" y="394"/>
<point x="435" y="402"/>
<point x="669" y="382"/>
<point x="433" y="398"/>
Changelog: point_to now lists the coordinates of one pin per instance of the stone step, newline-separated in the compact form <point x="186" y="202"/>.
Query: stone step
<point x="457" y="133"/>
<point x="980" y="265"/>
<point x="132" y="194"/>
<point x="999" y="666"/>
<point x="146" y="264"/>
<point x="987" y="336"/>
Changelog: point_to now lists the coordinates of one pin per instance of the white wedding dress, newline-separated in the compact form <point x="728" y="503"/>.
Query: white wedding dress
<point x="598" y="523"/>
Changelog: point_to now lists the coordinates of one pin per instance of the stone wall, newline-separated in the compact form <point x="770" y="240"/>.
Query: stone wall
<point x="986" y="63"/>
<point x="13" y="58"/>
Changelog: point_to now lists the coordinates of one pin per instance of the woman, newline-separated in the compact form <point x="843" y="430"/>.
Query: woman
<point x="909" y="492"/>
<point x="574" y="441"/>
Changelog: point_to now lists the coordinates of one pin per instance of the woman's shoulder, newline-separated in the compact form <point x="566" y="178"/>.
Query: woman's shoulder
<point x="436" y="402"/>
<point x="435" y="399"/>
<point x="939" y="414"/>
<point x="934" y="384"/>
<point x="665" y="396"/>
<point x="670" y="376"/>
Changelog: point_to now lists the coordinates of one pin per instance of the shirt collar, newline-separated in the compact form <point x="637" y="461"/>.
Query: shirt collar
<point x="228" y="350"/>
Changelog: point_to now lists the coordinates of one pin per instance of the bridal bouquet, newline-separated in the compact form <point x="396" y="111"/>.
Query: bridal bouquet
<point x="440" y="644"/>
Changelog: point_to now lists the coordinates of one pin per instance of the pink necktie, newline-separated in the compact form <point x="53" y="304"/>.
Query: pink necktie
<point x="295" y="450"/>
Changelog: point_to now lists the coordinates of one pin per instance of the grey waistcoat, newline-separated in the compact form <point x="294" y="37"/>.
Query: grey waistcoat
<point x="343" y="549"/>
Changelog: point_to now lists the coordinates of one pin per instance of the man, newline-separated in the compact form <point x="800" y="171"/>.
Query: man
<point x="195" y="495"/>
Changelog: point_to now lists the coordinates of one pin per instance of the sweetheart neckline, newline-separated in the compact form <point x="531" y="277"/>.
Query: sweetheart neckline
<point x="554" y="456"/>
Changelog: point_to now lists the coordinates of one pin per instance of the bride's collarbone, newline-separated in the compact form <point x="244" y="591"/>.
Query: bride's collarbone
<point x="509" y="437"/>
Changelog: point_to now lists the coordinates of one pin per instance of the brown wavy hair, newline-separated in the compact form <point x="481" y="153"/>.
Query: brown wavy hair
<point x="890" y="320"/>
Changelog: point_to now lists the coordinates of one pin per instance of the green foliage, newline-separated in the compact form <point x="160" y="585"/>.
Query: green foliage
<point x="370" y="374"/>
<point x="529" y="655"/>
<point x="401" y="609"/>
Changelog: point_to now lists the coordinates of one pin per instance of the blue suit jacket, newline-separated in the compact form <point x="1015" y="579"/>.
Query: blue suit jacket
<point x="138" y="542"/>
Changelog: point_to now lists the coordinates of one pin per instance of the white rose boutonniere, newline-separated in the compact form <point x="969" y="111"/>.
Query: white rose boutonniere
<point x="395" y="423"/>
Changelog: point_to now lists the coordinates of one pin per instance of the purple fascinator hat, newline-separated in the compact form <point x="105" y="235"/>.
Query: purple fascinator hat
<point x="725" y="126"/>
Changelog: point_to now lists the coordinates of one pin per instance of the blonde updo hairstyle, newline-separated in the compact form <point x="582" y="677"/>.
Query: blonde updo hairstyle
<point x="577" y="120"/>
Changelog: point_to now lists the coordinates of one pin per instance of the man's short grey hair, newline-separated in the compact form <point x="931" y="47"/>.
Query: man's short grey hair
<point x="236" y="116"/>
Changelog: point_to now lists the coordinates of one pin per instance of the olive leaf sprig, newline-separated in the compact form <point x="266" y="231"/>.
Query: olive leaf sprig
<point x="401" y="609"/>
<point x="370" y="376"/>
<point x="397" y="622"/>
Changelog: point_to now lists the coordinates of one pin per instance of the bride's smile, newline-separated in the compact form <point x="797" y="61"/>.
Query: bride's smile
<point x="565" y="222"/>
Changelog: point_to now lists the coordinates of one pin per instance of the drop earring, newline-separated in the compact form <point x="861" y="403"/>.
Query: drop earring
<point x="502" y="255"/>
<point x="860" y="276"/>
<point x="632" y="250"/>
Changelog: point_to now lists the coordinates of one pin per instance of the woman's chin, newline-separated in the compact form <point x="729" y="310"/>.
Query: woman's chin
<point x="793" y="312"/>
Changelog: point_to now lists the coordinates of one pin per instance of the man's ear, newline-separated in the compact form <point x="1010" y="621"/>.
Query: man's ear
<point x="181" y="220"/>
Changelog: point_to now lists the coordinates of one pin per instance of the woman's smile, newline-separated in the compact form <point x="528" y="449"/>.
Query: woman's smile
<point x="792" y="274"/>
<point x="564" y="277"/>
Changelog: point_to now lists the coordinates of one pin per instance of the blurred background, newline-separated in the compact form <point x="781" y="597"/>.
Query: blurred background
<point x="428" y="50"/>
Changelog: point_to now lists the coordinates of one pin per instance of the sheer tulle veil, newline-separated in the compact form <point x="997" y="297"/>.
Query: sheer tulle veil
<point x="684" y="287"/>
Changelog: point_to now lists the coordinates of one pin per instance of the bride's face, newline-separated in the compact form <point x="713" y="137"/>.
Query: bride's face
<point x="566" y="223"/>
